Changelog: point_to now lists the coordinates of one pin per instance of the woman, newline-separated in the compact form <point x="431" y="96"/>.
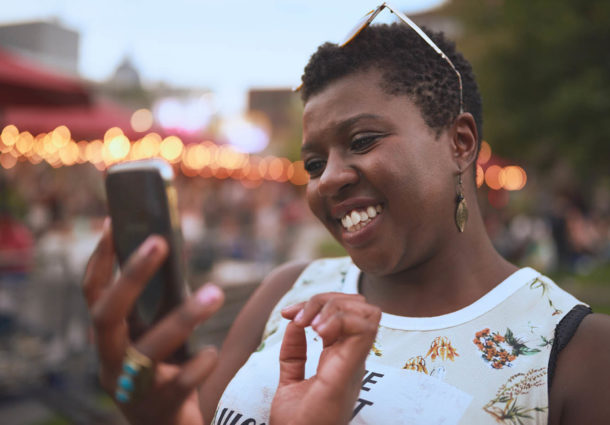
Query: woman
<point x="392" y="128"/>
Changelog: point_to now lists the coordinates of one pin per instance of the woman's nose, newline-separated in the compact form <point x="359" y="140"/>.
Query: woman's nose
<point x="337" y="175"/>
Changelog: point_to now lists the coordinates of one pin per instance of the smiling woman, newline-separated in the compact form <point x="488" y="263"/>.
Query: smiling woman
<point x="424" y="322"/>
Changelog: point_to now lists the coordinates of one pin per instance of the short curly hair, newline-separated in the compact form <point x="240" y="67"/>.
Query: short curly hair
<point x="409" y="66"/>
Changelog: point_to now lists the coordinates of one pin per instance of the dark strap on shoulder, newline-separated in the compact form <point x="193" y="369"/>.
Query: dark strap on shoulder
<point x="564" y="331"/>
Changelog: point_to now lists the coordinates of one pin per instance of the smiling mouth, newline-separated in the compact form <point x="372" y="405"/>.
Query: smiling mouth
<point x="359" y="218"/>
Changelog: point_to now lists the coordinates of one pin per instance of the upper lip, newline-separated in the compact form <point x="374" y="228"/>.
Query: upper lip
<point x="342" y="208"/>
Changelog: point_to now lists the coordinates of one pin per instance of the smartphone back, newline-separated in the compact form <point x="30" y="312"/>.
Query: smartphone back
<point x="142" y="201"/>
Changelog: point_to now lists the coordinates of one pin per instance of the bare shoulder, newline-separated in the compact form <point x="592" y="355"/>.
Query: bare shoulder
<point x="246" y="331"/>
<point x="581" y="386"/>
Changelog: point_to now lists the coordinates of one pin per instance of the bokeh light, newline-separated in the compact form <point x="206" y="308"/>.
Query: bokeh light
<point x="494" y="177"/>
<point x="8" y="137"/>
<point x="514" y="177"/>
<point x="480" y="176"/>
<point x="7" y="161"/>
<point x="171" y="148"/>
<point x="60" y="137"/>
<point x="24" y="143"/>
<point x="484" y="153"/>
<point x="150" y="145"/>
<point x="118" y="147"/>
<point x="142" y="120"/>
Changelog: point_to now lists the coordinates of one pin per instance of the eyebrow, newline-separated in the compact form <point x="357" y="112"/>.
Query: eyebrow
<point x="344" y="125"/>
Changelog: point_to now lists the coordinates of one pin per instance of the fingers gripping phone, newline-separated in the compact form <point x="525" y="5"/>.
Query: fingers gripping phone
<point x="142" y="200"/>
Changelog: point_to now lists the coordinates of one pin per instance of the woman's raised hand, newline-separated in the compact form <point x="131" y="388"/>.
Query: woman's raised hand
<point x="170" y="394"/>
<point x="347" y="326"/>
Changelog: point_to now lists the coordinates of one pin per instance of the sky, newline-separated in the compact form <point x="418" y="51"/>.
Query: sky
<point x="226" y="46"/>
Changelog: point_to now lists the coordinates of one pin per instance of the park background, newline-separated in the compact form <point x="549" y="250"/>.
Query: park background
<point x="208" y="86"/>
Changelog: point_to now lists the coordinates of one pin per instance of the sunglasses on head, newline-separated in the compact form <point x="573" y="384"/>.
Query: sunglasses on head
<point x="366" y="20"/>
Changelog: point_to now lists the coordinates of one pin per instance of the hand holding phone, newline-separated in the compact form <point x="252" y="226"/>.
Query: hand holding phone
<point x="142" y="200"/>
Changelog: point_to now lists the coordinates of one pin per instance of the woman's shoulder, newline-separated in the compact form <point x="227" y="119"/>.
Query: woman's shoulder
<point x="581" y="386"/>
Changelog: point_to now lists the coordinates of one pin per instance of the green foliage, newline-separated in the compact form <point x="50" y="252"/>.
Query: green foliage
<point x="544" y="71"/>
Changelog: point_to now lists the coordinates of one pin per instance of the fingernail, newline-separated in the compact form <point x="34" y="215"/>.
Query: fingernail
<point x="208" y="295"/>
<point x="106" y="226"/>
<point x="299" y="316"/>
<point x="316" y="320"/>
<point x="151" y="245"/>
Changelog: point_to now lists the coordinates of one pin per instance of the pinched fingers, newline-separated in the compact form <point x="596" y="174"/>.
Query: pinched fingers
<point x="293" y="355"/>
<point x="173" y="330"/>
<point x="362" y="329"/>
<point x="320" y="306"/>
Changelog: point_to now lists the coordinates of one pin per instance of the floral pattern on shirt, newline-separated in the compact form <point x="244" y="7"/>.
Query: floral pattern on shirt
<point x="501" y="350"/>
<point x="505" y="407"/>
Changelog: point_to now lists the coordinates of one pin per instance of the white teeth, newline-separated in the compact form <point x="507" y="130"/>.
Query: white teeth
<point x="357" y="219"/>
<point x="371" y="211"/>
<point x="347" y="222"/>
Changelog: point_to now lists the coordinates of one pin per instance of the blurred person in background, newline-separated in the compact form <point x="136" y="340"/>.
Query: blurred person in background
<point x="450" y="331"/>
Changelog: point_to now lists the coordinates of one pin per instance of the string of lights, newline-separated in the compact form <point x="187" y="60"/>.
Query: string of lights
<point x="205" y="159"/>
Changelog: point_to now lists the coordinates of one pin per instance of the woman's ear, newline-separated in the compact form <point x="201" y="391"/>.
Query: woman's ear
<point x="464" y="141"/>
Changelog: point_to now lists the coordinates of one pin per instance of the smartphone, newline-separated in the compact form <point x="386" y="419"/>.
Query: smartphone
<point x="142" y="200"/>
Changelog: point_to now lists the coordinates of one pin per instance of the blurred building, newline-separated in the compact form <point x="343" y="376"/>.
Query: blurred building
<point x="47" y="42"/>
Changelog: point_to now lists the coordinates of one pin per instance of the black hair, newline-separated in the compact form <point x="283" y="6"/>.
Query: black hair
<point x="409" y="66"/>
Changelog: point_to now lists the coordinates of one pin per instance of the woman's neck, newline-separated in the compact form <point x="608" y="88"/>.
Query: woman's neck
<point x="462" y="271"/>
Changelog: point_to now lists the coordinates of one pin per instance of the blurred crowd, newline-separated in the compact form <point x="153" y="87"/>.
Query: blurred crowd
<point x="566" y="234"/>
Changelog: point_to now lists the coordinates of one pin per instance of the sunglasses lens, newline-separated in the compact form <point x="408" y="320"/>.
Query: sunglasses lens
<point x="362" y="24"/>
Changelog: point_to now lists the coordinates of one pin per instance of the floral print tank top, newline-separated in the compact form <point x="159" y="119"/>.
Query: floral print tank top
<point x="484" y="364"/>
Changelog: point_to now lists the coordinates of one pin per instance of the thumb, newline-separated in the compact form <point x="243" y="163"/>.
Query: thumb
<point x="293" y="355"/>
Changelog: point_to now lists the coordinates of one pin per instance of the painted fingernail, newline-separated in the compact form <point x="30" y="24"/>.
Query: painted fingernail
<point x="106" y="226"/>
<point x="299" y="316"/>
<point x="151" y="245"/>
<point x="208" y="295"/>
<point x="316" y="320"/>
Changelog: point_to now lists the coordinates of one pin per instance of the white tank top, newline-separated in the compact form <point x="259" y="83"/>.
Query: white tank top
<point x="483" y="364"/>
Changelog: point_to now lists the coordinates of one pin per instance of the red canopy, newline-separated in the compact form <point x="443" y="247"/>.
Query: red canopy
<point x="23" y="82"/>
<point x="85" y="122"/>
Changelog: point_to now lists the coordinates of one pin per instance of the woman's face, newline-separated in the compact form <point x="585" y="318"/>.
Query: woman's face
<point x="381" y="181"/>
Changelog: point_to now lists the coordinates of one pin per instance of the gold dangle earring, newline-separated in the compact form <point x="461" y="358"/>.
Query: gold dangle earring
<point x="461" y="211"/>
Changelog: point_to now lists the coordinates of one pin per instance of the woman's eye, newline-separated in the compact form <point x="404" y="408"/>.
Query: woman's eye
<point x="363" y="142"/>
<point x="314" y="166"/>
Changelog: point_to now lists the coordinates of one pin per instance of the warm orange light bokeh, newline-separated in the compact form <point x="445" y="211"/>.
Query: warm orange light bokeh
<point x="494" y="177"/>
<point x="480" y="178"/>
<point x="171" y="148"/>
<point x="484" y="153"/>
<point x="118" y="147"/>
<point x="514" y="177"/>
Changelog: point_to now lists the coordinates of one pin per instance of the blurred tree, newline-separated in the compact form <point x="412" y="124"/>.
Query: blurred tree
<point x="544" y="72"/>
